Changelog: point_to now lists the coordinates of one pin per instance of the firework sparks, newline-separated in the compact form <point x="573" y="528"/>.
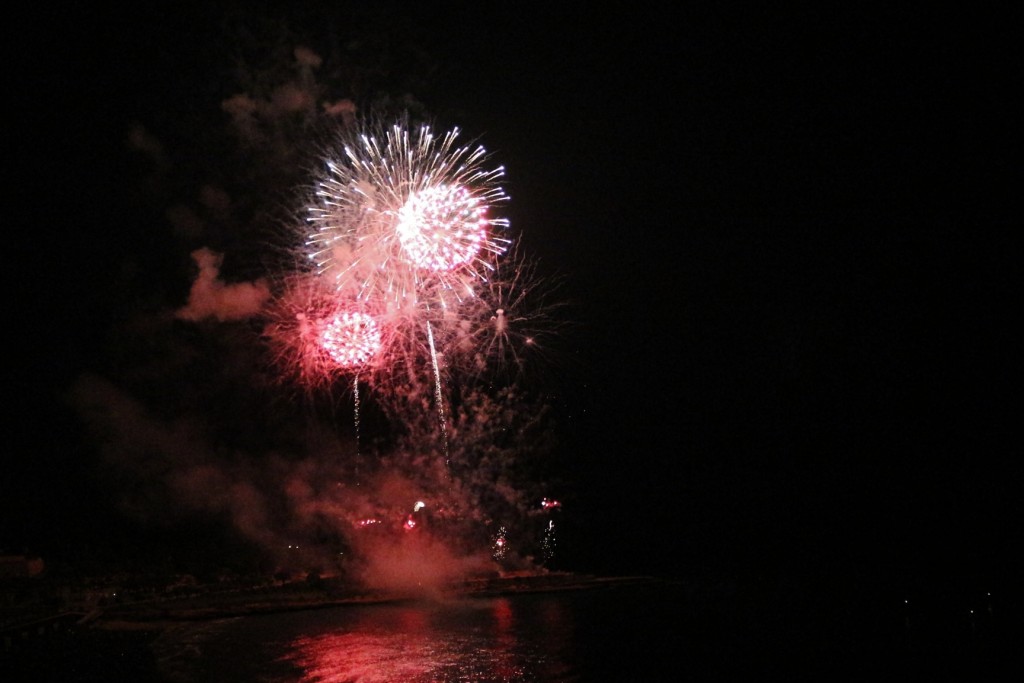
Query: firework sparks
<point x="404" y="217"/>
<point x="315" y="337"/>
<point x="548" y="542"/>
<point x="351" y="339"/>
<point x="441" y="228"/>
<point x="499" y="544"/>
<point x="400" y="226"/>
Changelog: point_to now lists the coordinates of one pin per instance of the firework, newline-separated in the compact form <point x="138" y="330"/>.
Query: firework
<point x="405" y="218"/>
<point x="441" y="228"/>
<point x="315" y="337"/>
<point x="510" y="319"/>
<point x="409" y="287"/>
<point x="351" y="339"/>
<point x="400" y="225"/>
<point x="548" y="542"/>
<point x="499" y="544"/>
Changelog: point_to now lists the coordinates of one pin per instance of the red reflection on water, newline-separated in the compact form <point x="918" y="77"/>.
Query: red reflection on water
<point x="505" y="639"/>
<point x="486" y="640"/>
<point x="412" y="620"/>
<point x="364" y="657"/>
<point x="502" y="612"/>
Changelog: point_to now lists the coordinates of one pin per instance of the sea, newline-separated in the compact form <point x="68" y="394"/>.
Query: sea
<point x="640" y="630"/>
<point x="569" y="635"/>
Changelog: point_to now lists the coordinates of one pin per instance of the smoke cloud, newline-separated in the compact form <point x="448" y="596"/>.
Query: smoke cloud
<point x="212" y="298"/>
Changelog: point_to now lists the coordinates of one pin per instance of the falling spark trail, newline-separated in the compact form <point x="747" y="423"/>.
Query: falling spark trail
<point x="355" y="392"/>
<point x="438" y="395"/>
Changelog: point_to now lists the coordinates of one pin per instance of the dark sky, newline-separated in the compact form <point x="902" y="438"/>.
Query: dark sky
<point x="786" y="239"/>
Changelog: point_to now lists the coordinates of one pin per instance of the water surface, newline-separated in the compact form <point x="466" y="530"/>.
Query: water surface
<point x="611" y="633"/>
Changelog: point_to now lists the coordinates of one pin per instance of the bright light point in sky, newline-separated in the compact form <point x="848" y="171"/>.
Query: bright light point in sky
<point x="351" y="339"/>
<point x="441" y="227"/>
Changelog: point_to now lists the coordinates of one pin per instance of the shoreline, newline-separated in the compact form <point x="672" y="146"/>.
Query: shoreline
<point x="290" y="598"/>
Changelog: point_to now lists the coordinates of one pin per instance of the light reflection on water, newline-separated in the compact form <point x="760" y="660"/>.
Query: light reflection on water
<point x="620" y="633"/>
<point x="484" y="640"/>
<point x="650" y="631"/>
<point x="545" y="638"/>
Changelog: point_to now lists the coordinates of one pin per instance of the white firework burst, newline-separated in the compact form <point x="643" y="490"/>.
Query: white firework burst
<point x="404" y="218"/>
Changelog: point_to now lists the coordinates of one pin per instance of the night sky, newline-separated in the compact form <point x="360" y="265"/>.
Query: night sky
<point x="785" y="240"/>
